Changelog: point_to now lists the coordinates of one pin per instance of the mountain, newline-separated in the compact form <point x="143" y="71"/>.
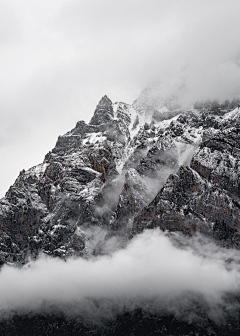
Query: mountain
<point x="132" y="167"/>
<point x="151" y="164"/>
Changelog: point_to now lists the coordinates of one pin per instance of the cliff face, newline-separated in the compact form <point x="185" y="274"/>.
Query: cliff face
<point x="127" y="170"/>
<point x="204" y="196"/>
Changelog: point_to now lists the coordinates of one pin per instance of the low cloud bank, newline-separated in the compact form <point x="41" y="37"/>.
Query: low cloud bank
<point x="157" y="273"/>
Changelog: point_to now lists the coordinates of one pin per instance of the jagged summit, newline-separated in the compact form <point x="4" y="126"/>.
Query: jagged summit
<point x="104" y="101"/>
<point x="103" y="113"/>
<point x="128" y="169"/>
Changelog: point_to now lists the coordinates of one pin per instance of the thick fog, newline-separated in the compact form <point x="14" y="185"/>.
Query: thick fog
<point x="153" y="272"/>
<point x="59" y="57"/>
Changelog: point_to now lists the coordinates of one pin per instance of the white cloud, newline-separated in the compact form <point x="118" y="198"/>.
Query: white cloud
<point x="152" y="272"/>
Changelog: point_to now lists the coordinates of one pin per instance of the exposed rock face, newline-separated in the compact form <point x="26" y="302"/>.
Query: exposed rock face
<point x="103" y="113"/>
<point x="133" y="198"/>
<point x="218" y="160"/>
<point x="130" y="168"/>
<point x="206" y="195"/>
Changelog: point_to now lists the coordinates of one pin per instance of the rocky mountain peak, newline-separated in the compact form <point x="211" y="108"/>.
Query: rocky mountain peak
<point x="104" y="101"/>
<point x="103" y="113"/>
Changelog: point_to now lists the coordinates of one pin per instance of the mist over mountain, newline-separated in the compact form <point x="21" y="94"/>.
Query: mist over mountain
<point x="120" y="167"/>
<point x="131" y="220"/>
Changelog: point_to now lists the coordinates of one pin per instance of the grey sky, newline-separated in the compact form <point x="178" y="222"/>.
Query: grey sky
<point x="59" y="57"/>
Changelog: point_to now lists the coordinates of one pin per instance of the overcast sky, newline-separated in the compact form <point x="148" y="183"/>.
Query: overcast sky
<point x="59" y="57"/>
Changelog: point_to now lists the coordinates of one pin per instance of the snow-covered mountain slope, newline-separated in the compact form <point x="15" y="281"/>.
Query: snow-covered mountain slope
<point x="132" y="167"/>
